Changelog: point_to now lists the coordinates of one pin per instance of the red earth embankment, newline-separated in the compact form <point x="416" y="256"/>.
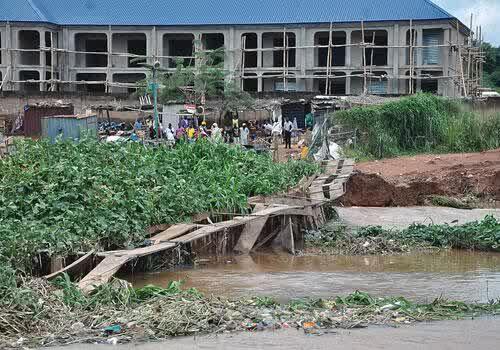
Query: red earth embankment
<point x="408" y="181"/>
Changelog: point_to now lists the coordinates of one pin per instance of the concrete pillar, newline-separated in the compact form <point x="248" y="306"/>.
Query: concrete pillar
<point x="8" y="57"/>
<point x="420" y="42"/>
<point x="68" y="43"/>
<point x="43" y="61"/>
<point x="152" y="46"/>
<point x="259" y="53"/>
<point x="395" y="60"/>
<point x="259" y="83"/>
<point x="301" y="59"/>
<point x="445" y="84"/>
<point x="348" y="34"/>
<point x="109" y="76"/>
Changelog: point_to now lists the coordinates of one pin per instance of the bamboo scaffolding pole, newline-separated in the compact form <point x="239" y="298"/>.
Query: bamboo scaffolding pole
<point x="469" y="53"/>
<point x="411" y="59"/>
<point x="371" y="58"/>
<point x="243" y="45"/>
<point x="328" y="60"/>
<point x="110" y="58"/>
<point x="461" y="64"/>
<point x="52" y="62"/>
<point x="481" y="73"/>
<point x="365" y="90"/>
<point x="284" y="61"/>
<point x="309" y="76"/>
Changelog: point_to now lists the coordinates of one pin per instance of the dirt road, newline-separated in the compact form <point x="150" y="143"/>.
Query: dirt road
<point x="456" y="335"/>
<point x="409" y="181"/>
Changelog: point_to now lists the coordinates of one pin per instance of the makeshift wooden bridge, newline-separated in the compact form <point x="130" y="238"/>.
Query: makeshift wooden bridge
<point x="306" y="201"/>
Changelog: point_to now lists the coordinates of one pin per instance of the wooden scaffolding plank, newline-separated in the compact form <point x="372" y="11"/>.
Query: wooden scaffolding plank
<point x="102" y="273"/>
<point x="112" y="263"/>
<point x="71" y="267"/>
<point x="172" y="232"/>
<point x="140" y="252"/>
<point x="251" y="232"/>
<point x="208" y="230"/>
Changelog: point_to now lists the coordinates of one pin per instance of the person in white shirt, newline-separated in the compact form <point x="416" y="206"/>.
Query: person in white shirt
<point x="244" y="132"/>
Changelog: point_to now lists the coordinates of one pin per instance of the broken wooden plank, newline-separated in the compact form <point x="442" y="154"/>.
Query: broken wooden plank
<point x="71" y="267"/>
<point x="102" y="273"/>
<point x="251" y="232"/>
<point x="140" y="252"/>
<point x="208" y="230"/>
<point x="173" y="232"/>
<point x="286" y="236"/>
<point x="112" y="263"/>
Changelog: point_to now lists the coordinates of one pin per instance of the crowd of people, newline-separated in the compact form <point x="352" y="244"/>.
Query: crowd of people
<point x="190" y="130"/>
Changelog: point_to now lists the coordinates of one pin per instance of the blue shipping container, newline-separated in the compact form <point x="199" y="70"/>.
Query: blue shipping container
<point x="68" y="127"/>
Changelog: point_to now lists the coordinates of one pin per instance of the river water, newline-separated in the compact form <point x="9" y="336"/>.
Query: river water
<point x="459" y="275"/>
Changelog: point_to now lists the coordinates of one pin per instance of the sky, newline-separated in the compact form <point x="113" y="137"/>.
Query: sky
<point x="486" y="13"/>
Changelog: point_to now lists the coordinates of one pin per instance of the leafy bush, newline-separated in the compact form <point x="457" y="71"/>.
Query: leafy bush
<point x="421" y="123"/>
<point x="68" y="197"/>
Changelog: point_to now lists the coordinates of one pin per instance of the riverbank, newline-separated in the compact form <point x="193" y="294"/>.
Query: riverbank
<point x="457" y="335"/>
<point x="337" y="239"/>
<point x="116" y="314"/>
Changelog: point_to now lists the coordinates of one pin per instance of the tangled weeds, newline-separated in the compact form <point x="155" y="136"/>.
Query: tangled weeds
<point x="117" y="313"/>
<point x="335" y="238"/>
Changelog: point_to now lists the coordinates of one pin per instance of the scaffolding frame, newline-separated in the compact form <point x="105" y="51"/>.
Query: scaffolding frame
<point x="468" y="78"/>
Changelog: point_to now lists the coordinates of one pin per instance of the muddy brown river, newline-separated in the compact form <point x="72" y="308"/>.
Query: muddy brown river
<point x="459" y="275"/>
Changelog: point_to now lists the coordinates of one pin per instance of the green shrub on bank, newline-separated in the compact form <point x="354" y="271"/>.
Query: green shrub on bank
<point x="68" y="197"/>
<point x="420" y="123"/>
<point x="477" y="235"/>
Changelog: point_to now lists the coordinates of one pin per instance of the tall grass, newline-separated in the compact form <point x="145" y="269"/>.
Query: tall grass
<point x="421" y="123"/>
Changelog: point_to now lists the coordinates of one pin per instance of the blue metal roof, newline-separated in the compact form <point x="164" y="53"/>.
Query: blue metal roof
<point x="214" y="12"/>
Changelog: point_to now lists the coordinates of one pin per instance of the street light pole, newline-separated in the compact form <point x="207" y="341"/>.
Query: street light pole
<point x="154" y="69"/>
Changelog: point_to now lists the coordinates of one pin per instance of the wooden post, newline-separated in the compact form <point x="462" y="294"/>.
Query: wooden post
<point x="480" y="56"/>
<point x="460" y="59"/>
<point x="110" y="58"/>
<point x="52" y="62"/>
<point x="469" y="55"/>
<point x="364" y="56"/>
<point x="371" y="57"/>
<point x="410" y="59"/>
<point x="328" y="60"/>
<point x="285" y="63"/>
<point x="243" y="47"/>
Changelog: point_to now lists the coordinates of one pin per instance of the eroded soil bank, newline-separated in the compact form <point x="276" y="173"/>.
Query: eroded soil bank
<point x="408" y="181"/>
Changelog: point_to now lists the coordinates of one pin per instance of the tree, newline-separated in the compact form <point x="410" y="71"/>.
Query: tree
<point x="205" y="80"/>
<point x="490" y="55"/>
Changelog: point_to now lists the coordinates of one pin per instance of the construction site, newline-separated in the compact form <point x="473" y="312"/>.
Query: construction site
<point x="266" y="172"/>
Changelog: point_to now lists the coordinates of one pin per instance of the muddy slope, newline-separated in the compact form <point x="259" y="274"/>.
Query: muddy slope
<point x="410" y="181"/>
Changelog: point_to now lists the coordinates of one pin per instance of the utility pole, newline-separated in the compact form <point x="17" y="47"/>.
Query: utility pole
<point x="154" y="87"/>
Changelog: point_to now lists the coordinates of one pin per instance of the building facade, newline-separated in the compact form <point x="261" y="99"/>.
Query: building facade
<point x="412" y="47"/>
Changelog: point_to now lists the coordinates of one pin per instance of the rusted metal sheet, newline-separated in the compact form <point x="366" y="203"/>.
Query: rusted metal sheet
<point x="33" y="115"/>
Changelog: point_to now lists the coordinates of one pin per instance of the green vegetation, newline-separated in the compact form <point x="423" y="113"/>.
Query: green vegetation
<point x="478" y="235"/>
<point x="68" y="197"/>
<point x="420" y="123"/>
<point x="206" y="80"/>
<point x="491" y="66"/>
<point x="43" y="315"/>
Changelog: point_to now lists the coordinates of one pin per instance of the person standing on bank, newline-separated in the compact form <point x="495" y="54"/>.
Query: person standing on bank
<point x="244" y="132"/>
<point x="288" y="133"/>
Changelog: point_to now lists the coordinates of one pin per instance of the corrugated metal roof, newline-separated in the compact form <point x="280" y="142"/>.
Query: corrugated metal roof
<point x="213" y="12"/>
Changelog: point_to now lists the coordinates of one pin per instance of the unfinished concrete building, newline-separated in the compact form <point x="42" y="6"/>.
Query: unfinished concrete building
<point x="332" y="47"/>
